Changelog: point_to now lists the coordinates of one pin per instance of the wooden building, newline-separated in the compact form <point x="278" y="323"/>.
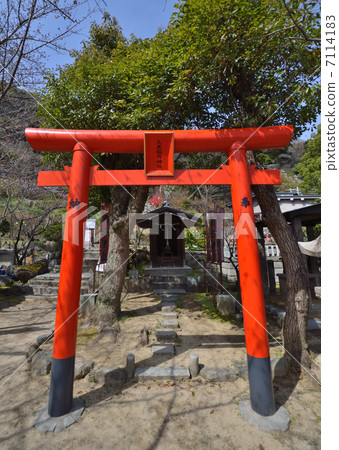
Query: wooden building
<point x="167" y="235"/>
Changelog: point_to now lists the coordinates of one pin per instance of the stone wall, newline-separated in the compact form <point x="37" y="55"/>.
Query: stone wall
<point x="6" y="257"/>
<point x="230" y="274"/>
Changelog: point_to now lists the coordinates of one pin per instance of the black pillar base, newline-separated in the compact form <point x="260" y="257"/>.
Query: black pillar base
<point x="261" y="386"/>
<point x="61" y="389"/>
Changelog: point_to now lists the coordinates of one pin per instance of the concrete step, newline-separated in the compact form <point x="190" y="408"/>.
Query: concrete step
<point x="55" y="283"/>
<point x="50" y="298"/>
<point x="89" y="264"/>
<point x="169" y="315"/>
<point x="173" y="271"/>
<point x="162" y="349"/>
<point x="169" y="278"/>
<point x="168" y="303"/>
<point x="166" y="334"/>
<point x="91" y="254"/>
<point x="42" y="290"/>
<point x="170" y="291"/>
<point x="170" y="297"/>
<point x="168" y="307"/>
<point x="52" y="279"/>
<point x="169" y="323"/>
<point x="151" y="373"/>
<point x="167" y="285"/>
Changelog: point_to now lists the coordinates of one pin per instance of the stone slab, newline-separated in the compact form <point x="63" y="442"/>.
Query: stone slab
<point x="280" y="421"/>
<point x="170" y="291"/>
<point x="41" y="298"/>
<point x="218" y="374"/>
<point x="165" y="349"/>
<point x="169" y="298"/>
<point x="168" y="270"/>
<point x="226" y="304"/>
<point x="162" y="372"/>
<point x="168" y="307"/>
<point x="44" y="422"/>
<point x="169" y="323"/>
<point x="168" y="303"/>
<point x="173" y="304"/>
<point x="113" y="376"/>
<point x="82" y="367"/>
<point x="240" y="368"/>
<point x="166" y="334"/>
<point x="41" y="363"/>
<point x="169" y="315"/>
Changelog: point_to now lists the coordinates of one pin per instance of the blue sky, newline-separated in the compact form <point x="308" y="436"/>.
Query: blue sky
<point x="139" y="17"/>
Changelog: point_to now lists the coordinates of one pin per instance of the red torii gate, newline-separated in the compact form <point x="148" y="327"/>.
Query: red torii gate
<point x="159" y="148"/>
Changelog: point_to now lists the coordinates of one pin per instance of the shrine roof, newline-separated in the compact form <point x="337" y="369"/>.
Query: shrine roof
<point x="145" y="221"/>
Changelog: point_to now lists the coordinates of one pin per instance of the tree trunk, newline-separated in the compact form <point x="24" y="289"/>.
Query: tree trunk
<point x="298" y="290"/>
<point x="122" y="203"/>
<point x="263" y="261"/>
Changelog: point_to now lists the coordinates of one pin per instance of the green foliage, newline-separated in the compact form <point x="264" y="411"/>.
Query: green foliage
<point x="264" y="159"/>
<point x="288" y="181"/>
<point x="309" y="169"/>
<point x="195" y="239"/>
<point x="5" y="226"/>
<point x="246" y="58"/>
<point x="53" y="233"/>
<point x="218" y="64"/>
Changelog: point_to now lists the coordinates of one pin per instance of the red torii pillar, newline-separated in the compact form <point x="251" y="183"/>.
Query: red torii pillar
<point x="159" y="170"/>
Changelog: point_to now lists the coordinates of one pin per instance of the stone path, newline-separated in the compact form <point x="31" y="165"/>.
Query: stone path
<point x="166" y="337"/>
<point x="45" y="287"/>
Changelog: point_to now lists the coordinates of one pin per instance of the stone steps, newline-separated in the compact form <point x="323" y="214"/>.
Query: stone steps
<point x="166" y="334"/>
<point x="51" y="298"/>
<point x="46" y="286"/>
<point x="169" y="323"/>
<point x="55" y="269"/>
<point x="169" y="314"/>
<point x="165" y="348"/>
<point x="168" y="307"/>
<point x="169" y="278"/>
<point x="169" y="297"/>
<point x="43" y="290"/>
<point x="52" y="279"/>
<point x="149" y="373"/>
<point x="167" y="285"/>
<point x="92" y="254"/>
<point x="89" y="264"/>
<point x="55" y="283"/>
<point x="168" y="271"/>
<point x="170" y="291"/>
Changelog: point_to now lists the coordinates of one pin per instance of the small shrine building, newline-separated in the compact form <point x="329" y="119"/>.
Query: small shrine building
<point x="167" y="238"/>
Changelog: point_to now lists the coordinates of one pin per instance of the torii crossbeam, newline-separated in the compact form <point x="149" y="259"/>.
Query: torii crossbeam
<point x="159" y="148"/>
